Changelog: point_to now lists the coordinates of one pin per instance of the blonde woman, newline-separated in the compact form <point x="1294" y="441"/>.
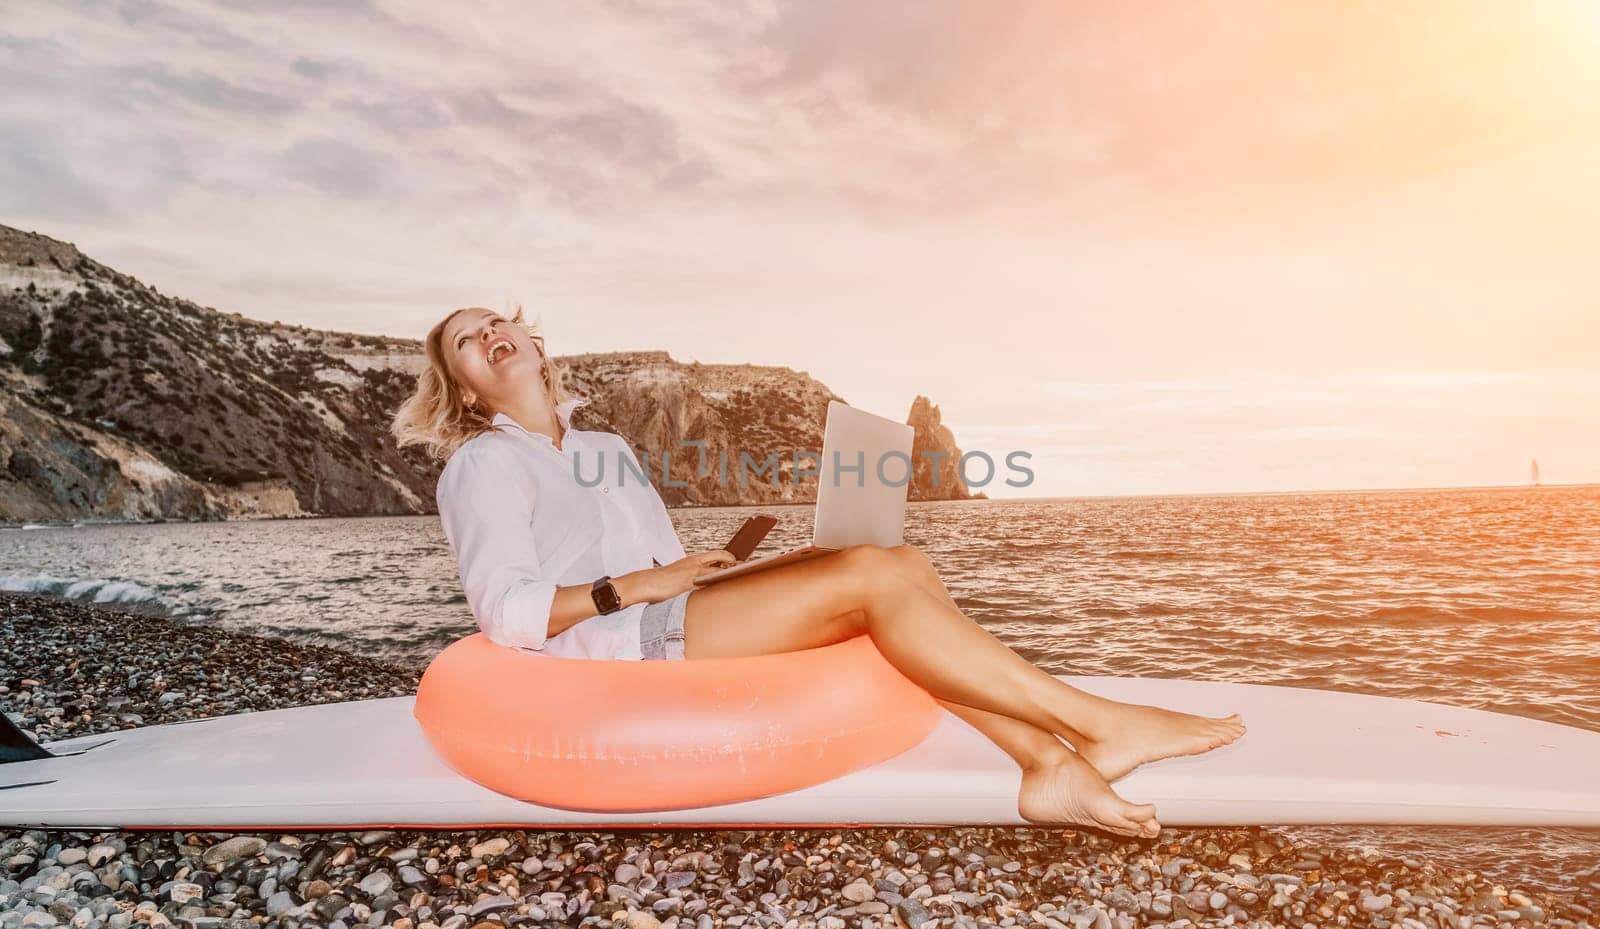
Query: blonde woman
<point x="550" y="564"/>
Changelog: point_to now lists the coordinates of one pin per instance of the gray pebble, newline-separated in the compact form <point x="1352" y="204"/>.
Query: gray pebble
<point x="675" y="879"/>
<point x="279" y="903"/>
<point x="376" y="883"/>
<point x="489" y="904"/>
<point x="231" y="850"/>
<point x="1375" y="904"/>
<point x="912" y="913"/>
<point x="281" y="851"/>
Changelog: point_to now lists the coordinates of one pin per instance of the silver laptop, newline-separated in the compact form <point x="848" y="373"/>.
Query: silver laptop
<point x="860" y="508"/>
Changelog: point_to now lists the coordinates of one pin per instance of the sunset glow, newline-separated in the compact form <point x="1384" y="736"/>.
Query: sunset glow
<point x="1206" y="247"/>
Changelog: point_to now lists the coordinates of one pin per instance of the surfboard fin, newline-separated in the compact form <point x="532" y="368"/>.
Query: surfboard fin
<point x="15" y="744"/>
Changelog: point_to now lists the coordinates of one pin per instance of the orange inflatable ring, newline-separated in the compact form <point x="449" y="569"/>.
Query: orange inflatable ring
<point x="630" y="736"/>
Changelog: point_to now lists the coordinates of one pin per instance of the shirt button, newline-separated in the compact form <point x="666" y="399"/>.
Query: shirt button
<point x="605" y="490"/>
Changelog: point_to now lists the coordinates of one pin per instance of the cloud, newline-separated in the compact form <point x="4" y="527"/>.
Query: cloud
<point x="892" y="112"/>
<point x="161" y="89"/>
<point x="41" y="180"/>
<point x="1139" y="227"/>
<point x="588" y="149"/>
<point x="311" y="287"/>
<point x="1193" y="103"/>
<point x="169" y="25"/>
<point x="333" y="166"/>
<point x="399" y="117"/>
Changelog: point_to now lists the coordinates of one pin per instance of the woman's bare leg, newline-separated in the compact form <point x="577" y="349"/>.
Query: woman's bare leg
<point x="803" y="605"/>
<point x="875" y="590"/>
<point x="1057" y="784"/>
<point x="1114" y="761"/>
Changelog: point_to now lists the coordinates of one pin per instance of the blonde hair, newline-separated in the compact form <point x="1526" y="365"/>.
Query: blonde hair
<point x="436" y="414"/>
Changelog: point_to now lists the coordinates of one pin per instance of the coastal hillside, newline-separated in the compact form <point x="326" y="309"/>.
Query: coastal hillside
<point x="118" y="402"/>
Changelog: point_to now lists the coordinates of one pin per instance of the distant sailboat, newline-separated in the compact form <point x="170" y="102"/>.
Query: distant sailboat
<point x="1536" y="472"/>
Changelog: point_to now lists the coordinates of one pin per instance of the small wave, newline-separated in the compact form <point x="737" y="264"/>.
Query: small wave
<point x="1429" y="616"/>
<point x="93" y="590"/>
<point x="1159" y="556"/>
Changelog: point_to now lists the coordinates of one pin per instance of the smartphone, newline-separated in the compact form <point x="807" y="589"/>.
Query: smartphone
<point x="750" y="535"/>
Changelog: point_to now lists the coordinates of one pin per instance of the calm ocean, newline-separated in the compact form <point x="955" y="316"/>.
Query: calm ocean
<point x="1480" y="598"/>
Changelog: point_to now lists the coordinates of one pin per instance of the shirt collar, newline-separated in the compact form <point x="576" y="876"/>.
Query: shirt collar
<point x="563" y="413"/>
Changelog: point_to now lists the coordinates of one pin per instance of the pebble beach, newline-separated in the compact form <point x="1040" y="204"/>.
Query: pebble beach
<point x="69" y="669"/>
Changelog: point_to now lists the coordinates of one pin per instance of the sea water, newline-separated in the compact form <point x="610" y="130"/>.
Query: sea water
<point x="1484" y="598"/>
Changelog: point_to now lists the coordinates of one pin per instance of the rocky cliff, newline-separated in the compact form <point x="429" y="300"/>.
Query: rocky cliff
<point x="118" y="402"/>
<point x="935" y="458"/>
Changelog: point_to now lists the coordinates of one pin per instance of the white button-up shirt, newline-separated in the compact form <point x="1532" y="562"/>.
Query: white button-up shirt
<point x="521" y="524"/>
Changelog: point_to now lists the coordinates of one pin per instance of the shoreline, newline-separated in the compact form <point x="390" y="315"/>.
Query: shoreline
<point x="69" y="668"/>
<point x="91" y="523"/>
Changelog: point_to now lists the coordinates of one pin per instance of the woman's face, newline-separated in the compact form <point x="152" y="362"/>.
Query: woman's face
<point x="492" y="358"/>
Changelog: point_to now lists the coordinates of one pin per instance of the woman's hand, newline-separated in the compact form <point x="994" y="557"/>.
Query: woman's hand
<point x="669" y="580"/>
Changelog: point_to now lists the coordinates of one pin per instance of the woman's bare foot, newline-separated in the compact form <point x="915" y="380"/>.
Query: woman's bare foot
<point x="1068" y="790"/>
<point x="1139" y="734"/>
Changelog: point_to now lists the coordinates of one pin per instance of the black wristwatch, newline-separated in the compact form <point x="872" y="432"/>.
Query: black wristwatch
<point x="606" y="598"/>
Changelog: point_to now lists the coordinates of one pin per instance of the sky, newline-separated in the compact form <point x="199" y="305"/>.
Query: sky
<point x="1160" y="247"/>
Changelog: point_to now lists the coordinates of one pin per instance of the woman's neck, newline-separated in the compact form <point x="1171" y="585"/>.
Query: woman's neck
<point x="537" y="416"/>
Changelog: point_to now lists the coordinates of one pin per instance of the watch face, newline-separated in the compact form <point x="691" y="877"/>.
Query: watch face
<point x="605" y="597"/>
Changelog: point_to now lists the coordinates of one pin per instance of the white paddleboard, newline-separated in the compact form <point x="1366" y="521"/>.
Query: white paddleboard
<point x="1309" y="757"/>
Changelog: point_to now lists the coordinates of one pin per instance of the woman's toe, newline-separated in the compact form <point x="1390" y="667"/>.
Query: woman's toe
<point x="1141" y="814"/>
<point x="1140" y="826"/>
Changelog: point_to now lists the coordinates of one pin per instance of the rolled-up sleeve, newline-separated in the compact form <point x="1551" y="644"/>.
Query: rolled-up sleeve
<point x="487" y="519"/>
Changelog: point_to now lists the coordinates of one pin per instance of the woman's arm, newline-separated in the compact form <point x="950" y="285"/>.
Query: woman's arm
<point x="485" y="507"/>
<point x="486" y="512"/>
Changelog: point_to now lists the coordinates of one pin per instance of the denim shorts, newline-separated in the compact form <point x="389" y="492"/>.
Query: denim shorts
<point x="661" y="628"/>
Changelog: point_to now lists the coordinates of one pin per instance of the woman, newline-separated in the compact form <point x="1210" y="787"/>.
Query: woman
<point x="550" y="564"/>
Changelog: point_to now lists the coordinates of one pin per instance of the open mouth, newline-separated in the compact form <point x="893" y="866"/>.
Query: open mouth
<point x="501" y="348"/>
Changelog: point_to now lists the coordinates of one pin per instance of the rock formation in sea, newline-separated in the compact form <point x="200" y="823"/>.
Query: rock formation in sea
<point x="936" y="459"/>
<point x="118" y="402"/>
